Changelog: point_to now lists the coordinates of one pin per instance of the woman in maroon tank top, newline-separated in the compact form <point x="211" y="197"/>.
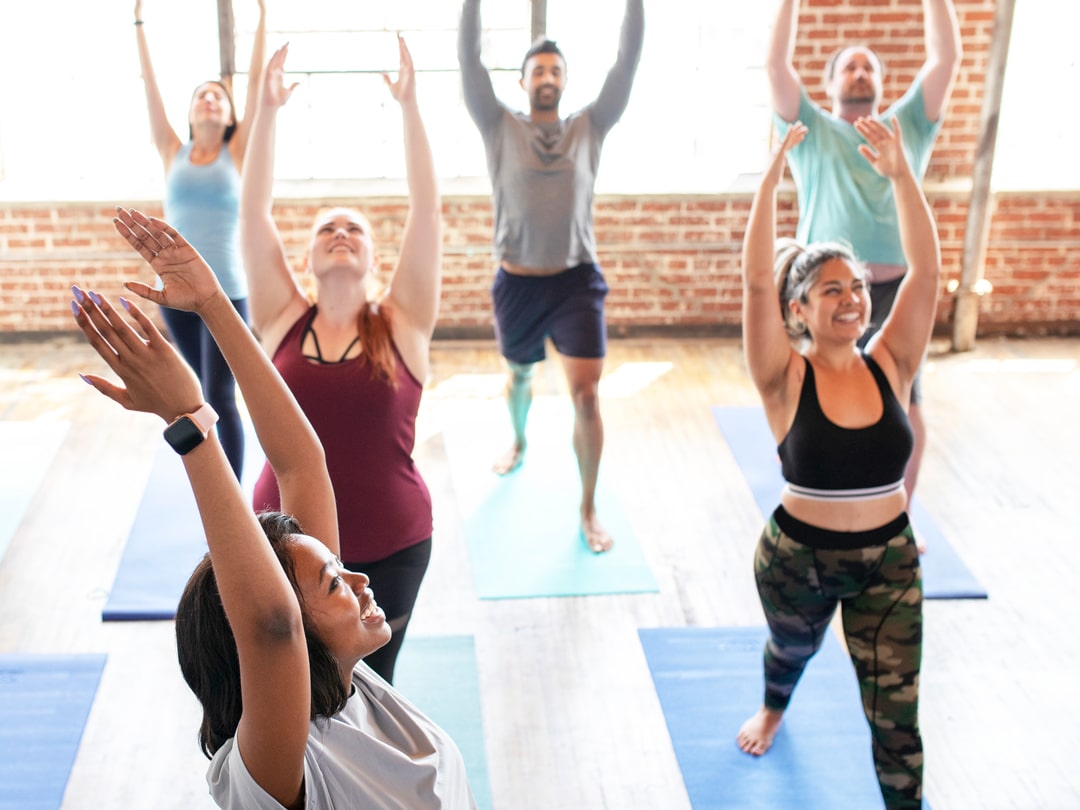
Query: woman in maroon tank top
<point x="355" y="361"/>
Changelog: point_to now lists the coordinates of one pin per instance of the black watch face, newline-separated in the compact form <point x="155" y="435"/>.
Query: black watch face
<point x="183" y="435"/>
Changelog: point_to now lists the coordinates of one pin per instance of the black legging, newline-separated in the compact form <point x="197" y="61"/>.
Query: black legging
<point x="198" y="348"/>
<point x="395" y="581"/>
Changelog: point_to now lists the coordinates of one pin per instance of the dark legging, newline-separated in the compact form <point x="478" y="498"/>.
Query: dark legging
<point x="395" y="581"/>
<point x="879" y="590"/>
<point x="200" y="351"/>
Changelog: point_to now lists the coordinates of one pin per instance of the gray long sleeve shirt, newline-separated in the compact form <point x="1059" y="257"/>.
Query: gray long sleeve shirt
<point x="543" y="174"/>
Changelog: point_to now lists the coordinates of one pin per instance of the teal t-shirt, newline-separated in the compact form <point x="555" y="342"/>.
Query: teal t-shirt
<point x="841" y="197"/>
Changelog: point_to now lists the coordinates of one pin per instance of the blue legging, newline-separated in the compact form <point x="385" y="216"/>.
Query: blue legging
<point x="198" y="348"/>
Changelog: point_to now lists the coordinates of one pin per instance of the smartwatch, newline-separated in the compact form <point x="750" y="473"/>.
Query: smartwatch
<point x="186" y="432"/>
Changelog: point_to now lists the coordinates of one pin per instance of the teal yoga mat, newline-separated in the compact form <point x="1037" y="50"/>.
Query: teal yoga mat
<point x="166" y="540"/>
<point x="28" y="452"/>
<point x="439" y="675"/>
<point x="523" y="530"/>
<point x="709" y="681"/>
<point x="44" y="703"/>
<point x="945" y="576"/>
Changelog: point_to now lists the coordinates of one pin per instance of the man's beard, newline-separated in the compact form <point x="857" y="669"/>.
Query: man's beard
<point x="861" y="95"/>
<point x="539" y="104"/>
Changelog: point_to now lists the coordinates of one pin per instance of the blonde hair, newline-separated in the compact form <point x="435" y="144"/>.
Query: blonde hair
<point x="796" y="269"/>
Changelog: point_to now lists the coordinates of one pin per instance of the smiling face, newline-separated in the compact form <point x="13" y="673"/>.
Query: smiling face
<point x="837" y="306"/>
<point x="543" y="79"/>
<point x="341" y="240"/>
<point x="338" y="604"/>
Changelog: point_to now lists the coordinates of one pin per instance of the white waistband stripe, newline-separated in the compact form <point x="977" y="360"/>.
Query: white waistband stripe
<point x="866" y="494"/>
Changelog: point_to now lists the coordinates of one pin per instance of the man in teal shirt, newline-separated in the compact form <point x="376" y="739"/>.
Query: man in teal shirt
<point x="841" y="198"/>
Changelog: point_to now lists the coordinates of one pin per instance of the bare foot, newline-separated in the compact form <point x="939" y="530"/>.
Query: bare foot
<point x="756" y="734"/>
<point x="596" y="536"/>
<point x="509" y="461"/>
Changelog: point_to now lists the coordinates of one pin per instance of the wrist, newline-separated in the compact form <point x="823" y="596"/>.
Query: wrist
<point x="138" y="22"/>
<point x="189" y="430"/>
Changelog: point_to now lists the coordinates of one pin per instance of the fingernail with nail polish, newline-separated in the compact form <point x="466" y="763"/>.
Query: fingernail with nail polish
<point x="77" y="293"/>
<point x="75" y="309"/>
<point x="85" y="379"/>
<point x="94" y="297"/>
<point x="125" y="303"/>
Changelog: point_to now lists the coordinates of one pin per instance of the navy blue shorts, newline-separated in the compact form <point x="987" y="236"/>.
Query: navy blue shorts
<point x="568" y="307"/>
<point x="882" y="298"/>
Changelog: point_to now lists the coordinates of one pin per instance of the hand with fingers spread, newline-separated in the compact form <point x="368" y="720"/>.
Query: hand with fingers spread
<point x="795" y="134"/>
<point x="189" y="282"/>
<point x="404" y="89"/>
<point x="275" y="93"/>
<point x="156" y="379"/>
<point x="884" y="147"/>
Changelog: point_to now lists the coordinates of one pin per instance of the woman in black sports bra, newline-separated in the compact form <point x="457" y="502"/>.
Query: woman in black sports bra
<point x="840" y="535"/>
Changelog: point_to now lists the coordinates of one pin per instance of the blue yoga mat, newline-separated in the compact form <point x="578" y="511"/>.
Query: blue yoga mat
<point x="523" y="529"/>
<point x="709" y="681"/>
<point x="166" y="540"/>
<point x="44" y="703"/>
<point x="945" y="576"/>
<point x="438" y="674"/>
<point x="29" y="448"/>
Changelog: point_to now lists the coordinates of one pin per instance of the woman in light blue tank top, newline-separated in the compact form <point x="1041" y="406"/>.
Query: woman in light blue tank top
<point x="202" y="194"/>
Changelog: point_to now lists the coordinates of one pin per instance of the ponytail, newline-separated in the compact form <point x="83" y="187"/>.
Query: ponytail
<point x="796" y="270"/>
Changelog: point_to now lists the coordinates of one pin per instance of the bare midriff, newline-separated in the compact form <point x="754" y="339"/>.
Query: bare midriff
<point x="845" y="516"/>
<point x="519" y="270"/>
<point x="885" y="272"/>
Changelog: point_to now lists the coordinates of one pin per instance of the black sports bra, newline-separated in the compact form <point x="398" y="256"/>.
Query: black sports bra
<point x="823" y="460"/>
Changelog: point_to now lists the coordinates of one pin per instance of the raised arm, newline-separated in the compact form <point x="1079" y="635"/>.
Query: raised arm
<point x="906" y="332"/>
<point x="480" y="100"/>
<point x="615" y="94"/>
<point x="784" y="83"/>
<point x="275" y="298"/>
<point x="258" y="599"/>
<point x="766" y="343"/>
<point x="165" y="138"/>
<point x="238" y="142"/>
<point x="414" y="290"/>
<point x="943" y="53"/>
<point x="290" y="443"/>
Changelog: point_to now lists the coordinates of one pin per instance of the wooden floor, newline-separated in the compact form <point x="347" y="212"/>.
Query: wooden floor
<point x="570" y="715"/>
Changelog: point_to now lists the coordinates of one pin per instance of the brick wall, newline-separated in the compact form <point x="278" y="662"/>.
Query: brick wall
<point x="671" y="261"/>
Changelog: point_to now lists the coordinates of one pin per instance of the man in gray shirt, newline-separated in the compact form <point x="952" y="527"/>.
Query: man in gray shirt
<point x="543" y="169"/>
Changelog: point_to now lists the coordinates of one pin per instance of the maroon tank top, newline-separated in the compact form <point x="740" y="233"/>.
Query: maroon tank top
<point x="368" y="430"/>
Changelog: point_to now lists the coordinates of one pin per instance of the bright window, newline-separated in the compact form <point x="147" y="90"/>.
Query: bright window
<point x="73" y="122"/>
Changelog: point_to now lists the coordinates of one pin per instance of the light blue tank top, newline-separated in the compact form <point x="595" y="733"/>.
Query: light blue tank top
<point x="203" y="203"/>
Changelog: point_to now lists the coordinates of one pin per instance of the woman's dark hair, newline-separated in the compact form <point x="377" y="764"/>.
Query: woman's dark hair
<point x="230" y="130"/>
<point x="541" y="45"/>
<point x="796" y="270"/>
<point x="206" y="646"/>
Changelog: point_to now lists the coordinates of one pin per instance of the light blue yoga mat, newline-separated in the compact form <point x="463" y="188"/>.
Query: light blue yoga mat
<point x="439" y="675"/>
<point x="945" y="576"/>
<point x="166" y="540"/>
<point x="44" y="703"/>
<point x="523" y="529"/>
<point x="28" y="450"/>
<point x="709" y="681"/>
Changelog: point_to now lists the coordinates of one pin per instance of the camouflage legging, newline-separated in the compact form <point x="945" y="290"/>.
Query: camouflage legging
<point x="879" y="589"/>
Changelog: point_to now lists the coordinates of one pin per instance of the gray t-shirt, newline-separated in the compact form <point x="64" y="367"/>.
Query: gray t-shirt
<point x="542" y="175"/>
<point x="380" y="751"/>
